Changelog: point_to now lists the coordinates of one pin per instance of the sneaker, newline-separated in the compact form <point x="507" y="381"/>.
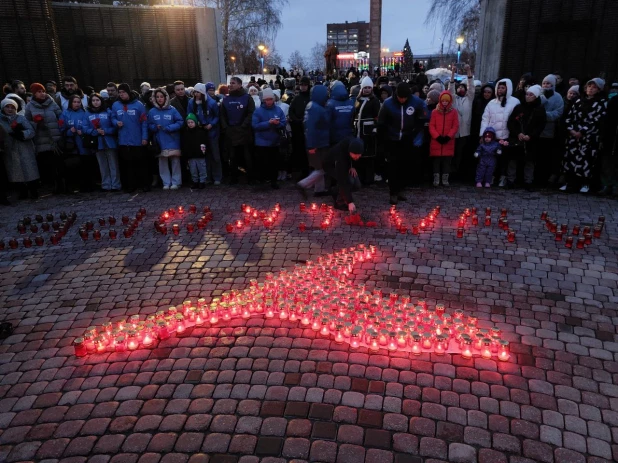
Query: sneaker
<point x="393" y="200"/>
<point x="479" y="185"/>
<point x="502" y="181"/>
<point x="488" y="185"/>
<point x="584" y="189"/>
<point x="174" y="187"/>
<point x="436" y="179"/>
<point x="216" y="183"/>
<point x="377" y="178"/>
<point x="166" y="187"/>
<point x="564" y="187"/>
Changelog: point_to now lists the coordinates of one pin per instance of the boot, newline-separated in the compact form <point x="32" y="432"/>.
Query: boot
<point x="436" y="179"/>
<point x="22" y="191"/>
<point x="445" y="180"/>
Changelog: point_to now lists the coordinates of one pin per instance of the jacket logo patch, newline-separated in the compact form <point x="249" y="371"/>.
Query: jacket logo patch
<point x="156" y="117"/>
<point x="167" y="117"/>
<point x="409" y="110"/>
<point x="119" y="112"/>
<point x="240" y="106"/>
<point x="131" y="112"/>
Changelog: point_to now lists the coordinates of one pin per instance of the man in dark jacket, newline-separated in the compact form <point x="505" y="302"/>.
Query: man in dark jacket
<point x="337" y="162"/>
<point x="180" y="100"/>
<point x="366" y="109"/>
<point x="400" y="121"/>
<point x="295" y="118"/>
<point x="609" y="152"/>
<point x="236" y="112"/>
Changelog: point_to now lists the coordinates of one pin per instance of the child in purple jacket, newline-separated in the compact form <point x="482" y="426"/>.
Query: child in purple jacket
<point x="488" y="151"/>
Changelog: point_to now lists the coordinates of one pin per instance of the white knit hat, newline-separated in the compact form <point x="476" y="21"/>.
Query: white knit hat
<point x="366" y="82"/>
<point x="536" y="90"/>
<point x="574" y="88"/>
<point x="268" y="93"/>
<point x="8" y="101"/>
<point x="200" y="87"/>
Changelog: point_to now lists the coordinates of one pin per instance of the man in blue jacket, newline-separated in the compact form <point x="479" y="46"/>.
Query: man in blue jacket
<point x="129" y="115"/>
<point x="341" y="109"/>
<point x="400" y="124"/>
<point x="317" y="140"/>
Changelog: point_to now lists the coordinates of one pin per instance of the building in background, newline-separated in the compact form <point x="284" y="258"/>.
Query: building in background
<point x="42" y="40"/>
<point x="349" y="37"/>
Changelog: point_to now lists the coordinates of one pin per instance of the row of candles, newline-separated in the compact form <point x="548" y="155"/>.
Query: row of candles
<point x="254" y="216"/>
<point x="472" y="213"/>
<point x="180" y="214"/>
<point x="320" y="297"/>
<point x="131" y="226"/>
<point x="59" y="229"/>
<point x="561" y="232"/>
<point x="425" y="222"/>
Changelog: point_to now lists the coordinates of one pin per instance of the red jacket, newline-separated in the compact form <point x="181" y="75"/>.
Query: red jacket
<point x="444" y="122"/>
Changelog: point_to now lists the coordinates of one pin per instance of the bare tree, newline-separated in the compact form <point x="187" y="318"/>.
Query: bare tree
<point x="450" y="14"/>
<point x="316" y="56"/>
<point x="297" y="61"/>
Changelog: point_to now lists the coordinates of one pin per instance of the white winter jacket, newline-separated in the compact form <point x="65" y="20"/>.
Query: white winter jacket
<point x="463" y="105"/>
<point x="496" y="115"/>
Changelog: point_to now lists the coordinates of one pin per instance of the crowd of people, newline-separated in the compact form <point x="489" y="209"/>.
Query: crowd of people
<point x="333" y="135"/>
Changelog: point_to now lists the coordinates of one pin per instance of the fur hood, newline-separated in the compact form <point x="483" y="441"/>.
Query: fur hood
<point x="20" y="102"/>
<point x="166" y="105"/>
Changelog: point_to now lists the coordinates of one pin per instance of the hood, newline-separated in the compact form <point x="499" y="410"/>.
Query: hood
<point x="154" y="99"/>
<point x="509" y="87"/>
<point x="338" y="91"/>
<point x="20" y="102"/>
<point x="319" y="94"/>
<point x="493" y="92"/>
<point x="445" y="95"/>
<point x="200" y="87"/>
<point x="490" y="130"/>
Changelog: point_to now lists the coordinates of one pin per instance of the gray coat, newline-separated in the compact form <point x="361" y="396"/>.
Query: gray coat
<point x="19" y="156"/>
<point x="47" y="131"/>
<point x="554" y="107"/>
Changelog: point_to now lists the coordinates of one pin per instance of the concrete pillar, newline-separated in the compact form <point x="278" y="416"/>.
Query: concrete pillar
<point x="491" y="34"/>
<point x="210" y="45"/>
<point x="375" y="27"/>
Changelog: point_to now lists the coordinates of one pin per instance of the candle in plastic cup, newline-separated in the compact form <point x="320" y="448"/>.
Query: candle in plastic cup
<point x="569" y="242"/>
<point x="580" y="243"/>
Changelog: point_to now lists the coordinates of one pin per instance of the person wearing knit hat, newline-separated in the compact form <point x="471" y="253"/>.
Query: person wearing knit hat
<point x="36" y="87"/>
<point x="525" y="124"/>
<point x="463" y="100"/>
<point x="432" y="98"/>
<point x="584" y="123"/>
<point x="554" y="107"/>
<point x="557" y="176"/>
<point x="194" y="149"/>
<point x="210" y="89"/>
<point x="366" y="110"/>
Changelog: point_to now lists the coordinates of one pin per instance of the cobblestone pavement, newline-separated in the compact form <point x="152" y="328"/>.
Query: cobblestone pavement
<point x="270" y="391"/>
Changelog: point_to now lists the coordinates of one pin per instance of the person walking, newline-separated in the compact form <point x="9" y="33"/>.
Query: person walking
<point x="584" y="123"/>
<point x="165" y="122"/>
<point x="19" y="151"/>
<point x="268" y="121"/>
<point x="236" y="114"/>
<point x="100" y="127"/>
<point x="129" y="115"/>
<point x="443" y="127"/>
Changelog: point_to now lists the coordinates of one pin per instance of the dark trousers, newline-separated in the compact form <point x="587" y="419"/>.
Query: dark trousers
<point x="52" y="169"/>
<point x="548" y="159"/>
<point x="367" y="164"/>
<point x="400" y="154"/>
<point x="609" y="171"/>
<point x="459" y="164"/>
<point x="267" y="162"/>
<point x="134" y="167"/>
<point x="88" y="168"/>
<point x="442" y="164"/>
<point x="234" y="155"/>
<point x="299" y="160"/>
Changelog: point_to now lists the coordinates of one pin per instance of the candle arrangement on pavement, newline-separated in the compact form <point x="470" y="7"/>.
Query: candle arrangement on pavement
<point x="129" y="224"/>
<point x="320" y="297"/>
<point x="584" y="235"/>
<point x="424" y="224"/>
<point x="253" y="216"/>
<point x="472" y="215"/>
<point x="39" y="226"/>
<point x="323" y="213"/>
<point x="179" y="218"/>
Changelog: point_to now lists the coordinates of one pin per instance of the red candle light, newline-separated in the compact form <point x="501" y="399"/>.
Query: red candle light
<point x="569" y="242"/>
<point x="466" y="351"/>
<point x="511" y="236"/>
<point x="127" y="233"/>
<point x="487" y="220"/>
<point x="314" y="207"/>
<point x="602" y="218"/>
<point x="415" y="229"/>
<point x="488" y="211"/>
<point x="132" y="343"/>
<point x="55" y="239"/>
<point x="181" y="210"/>
<point x="303" y="207"/>
<point x="39" y="240"/>
<point x="403" y="229"/>
<point x="96" y="235"/>
<point x="190" y="227"/>
<point x="503" y="350"/>
<point x="580" y="243"/>
<point x="543" y="215"/>
<point x="564" y="228"/>
<point x="239" y="224"/>
<point x="302" y="226"/>
<point x="125" y="219"/>
<point x="486" y="349"/>
<point x="460" y="232"/>
<point x="558" y="236"/>
<point x="587" y="238"/>
<point x="45" y="227"/>
<point x="553" y="227"/>
<point x="112" y="220"/>
<point x="576" y="230"/>
<point x="503" y="213"/>
<point x="162" y="331"/>
<point x="27" y="242"/>
<point x="475" y="219"/>
<point x="423" y="223"/>
<point x="597" y="231"/>
<point x="120" y="344"/>
<point x="229" y="227"/>
<point x="586" y="229"/>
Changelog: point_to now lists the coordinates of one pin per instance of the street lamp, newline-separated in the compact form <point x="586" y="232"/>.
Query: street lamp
<point x="233" y="58"/>
<point x="459" y="41"/>
<point x="263" y="51"/>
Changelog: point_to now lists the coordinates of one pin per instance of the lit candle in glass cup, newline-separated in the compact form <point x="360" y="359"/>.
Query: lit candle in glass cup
<point x="132" y="343"/>
<point x="558" y="236"/>
<point x="79" y="345"/>
<point x="576" y="230"/>
<point x="466" y="350"/>
<point x="460" y="232"/>
<point x="475" y="219"/>
<point x="162" y="331"/>
<point x="580" y="243"/>
<point x="587" y="238"/>
<point x="120" y="344"/>
<point x="596" y="232"/>
<point x="543" y="215"/>
<point x="486" y="349"/>
<point x="569" y="242"/>
<point x="504" y="351"/>
<point x="487" y="220"/>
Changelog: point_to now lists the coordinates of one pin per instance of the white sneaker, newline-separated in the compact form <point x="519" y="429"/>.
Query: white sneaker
<point x="502" y="181"/>
<point x="563" y="187"/>
<point x="174" y="187"/>
<point x="584" y="189"/>
<point x="166" y="187"/>
<point x="377" y="178"/>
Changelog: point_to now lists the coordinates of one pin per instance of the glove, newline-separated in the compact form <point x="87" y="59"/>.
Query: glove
<point x="446" y="139"/>
<point x="439" y="139"/>
<point x="18" y="134"/>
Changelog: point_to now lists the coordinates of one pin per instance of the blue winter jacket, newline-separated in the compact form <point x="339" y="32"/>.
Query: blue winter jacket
<point x="107" y="141"/>
<point x="267" y="134"/>
<point x="69" y="119"/>
<point x="170" y="120"/>
<point x="133" y="116"/>
<point x="211" y="117"/>
<point x="317" y="119"/>
<point x="341" y="112"/>
<point x="397" y="121"/>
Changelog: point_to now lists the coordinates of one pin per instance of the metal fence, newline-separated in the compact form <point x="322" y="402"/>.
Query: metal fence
<point x="574" y="37"/>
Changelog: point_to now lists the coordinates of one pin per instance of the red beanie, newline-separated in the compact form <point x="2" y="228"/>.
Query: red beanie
<point x="36" y="87"/>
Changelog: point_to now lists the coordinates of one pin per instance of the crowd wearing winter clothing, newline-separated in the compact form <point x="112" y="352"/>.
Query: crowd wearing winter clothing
<point x="336" y="134"/>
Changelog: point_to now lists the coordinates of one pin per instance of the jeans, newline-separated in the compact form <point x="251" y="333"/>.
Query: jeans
<point x="110" y="172"/>
<point x="173" y="178"/>
<point x="213" y="160"/>
<point x="197" y="166"/>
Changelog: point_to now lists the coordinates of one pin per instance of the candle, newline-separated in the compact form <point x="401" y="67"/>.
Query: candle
<point x="423" y="223"/>
<point x="120" y="344"/>
<point x="558" y="236"/>
<point x="314" y="207"/>
<point x="239" y="224"/>
<point x="576" y="230"/>
<point x="580" y="243"/>
<point x="229" y="227"/>
<point x="354" y="341"/>
<point x="488" y="211"/>
<point x="487" y="220"/>
<point x="45" y="226"/>
<point x="96" y="235"/>
<point x="127" y="233"/>
<point x="569" y="242"/>
<point x="80" y="347"/>
<point x="486" y="349"/>
<point x="403" y="229"/>
<point x="553" y="227"/>
<point x="415" y="229"/>
<point x="475" y="219"/>
<point x="101" y="344"/>
<point x="416" y="344"/>
<point x="162" y="330"/>
<point x="460" y="232"/>
<point x="503" y="350"/>
<point x="132" y="340"/>
<point x="564" y="228"/>
<point x="27" y="242"/>
<point x="440" y="345"/>
<point x="543" y="215"/>
<point x="503" y="213"/>
<point x="34" y="228"/>
<point x="587" y="238"/>
<point x="597" y="231"/>
<point x="39" y="240"/>
<point x="190" y="227"/>
<point x="55" y="239"/>
<point x="302" y="227"/>
<point x="466" y="351"/>
<point x="125" y="219"/>
<point x="303" y="207"/>
<point x="467" y="212"/>
<point x="83" y="233"/>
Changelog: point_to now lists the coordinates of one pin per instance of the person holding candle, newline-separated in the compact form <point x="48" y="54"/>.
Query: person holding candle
<point x="194" y="148"/>
<point x="443" y="127"/>
<point x="526" y="124"/>
<point x="487" y="152"/>
<point x="99" y="125"/>
<point x="165" y="122"/>
<point x="584" y="123"/>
